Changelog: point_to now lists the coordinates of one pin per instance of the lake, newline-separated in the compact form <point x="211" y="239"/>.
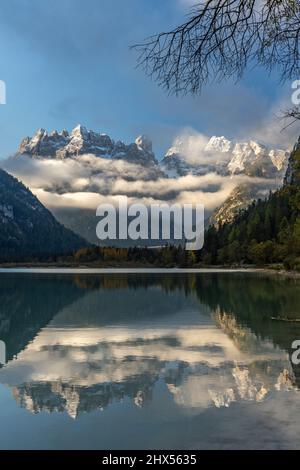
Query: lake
<point x="149" y="361"/>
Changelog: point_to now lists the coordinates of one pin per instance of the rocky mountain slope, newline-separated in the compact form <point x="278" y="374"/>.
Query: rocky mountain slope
<point x="240" y="198"/>
<point x="293" y="170"/>
<point x="28" y="229"/>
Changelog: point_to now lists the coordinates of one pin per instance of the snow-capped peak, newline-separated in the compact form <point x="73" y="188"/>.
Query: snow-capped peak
<point x="219" y="144"/>
<point x="79" y="130"/>
<point x="144" y="143"/>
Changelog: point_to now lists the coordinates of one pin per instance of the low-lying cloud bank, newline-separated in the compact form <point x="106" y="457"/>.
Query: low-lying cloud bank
<point x="87" y="181"/>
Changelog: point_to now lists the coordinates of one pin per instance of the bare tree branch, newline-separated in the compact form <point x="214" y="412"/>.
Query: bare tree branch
<point x="290" y="116"/>
<point x="220" y="39"/>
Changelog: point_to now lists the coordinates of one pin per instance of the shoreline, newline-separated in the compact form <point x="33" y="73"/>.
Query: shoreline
<point x="84" y="269"/>
<point x="108" y="270"/>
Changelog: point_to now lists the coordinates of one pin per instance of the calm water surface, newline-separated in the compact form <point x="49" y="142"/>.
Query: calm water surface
<point x="194" y="361"/>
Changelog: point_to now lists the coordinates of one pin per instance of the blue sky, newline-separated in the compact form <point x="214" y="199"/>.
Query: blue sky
<point x="68" y="61"/>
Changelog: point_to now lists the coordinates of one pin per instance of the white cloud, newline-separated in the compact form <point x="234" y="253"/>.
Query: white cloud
<point x="272" y="129"/>
<point x="89" y="181"/>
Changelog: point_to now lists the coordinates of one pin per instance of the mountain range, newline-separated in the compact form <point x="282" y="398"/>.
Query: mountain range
<point x="225" y="157"/>
<point x="80" y="141"/>
<point x="219" y="155"/>
<point x="256" y="169"/>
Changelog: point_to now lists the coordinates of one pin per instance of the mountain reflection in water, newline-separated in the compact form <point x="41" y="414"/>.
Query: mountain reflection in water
<point x="78" y="344"/>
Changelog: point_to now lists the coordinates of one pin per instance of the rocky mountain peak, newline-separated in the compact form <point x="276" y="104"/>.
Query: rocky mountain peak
<point x="80" y="131"/>
<point x="40" y="133"/>
<point x="219" y="144"/>
<point x="144" y="143"/>
<point x="64" y="133"/>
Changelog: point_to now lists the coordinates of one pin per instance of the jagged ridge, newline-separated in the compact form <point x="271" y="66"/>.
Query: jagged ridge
<point x="230" y="158"/>
<point x="82" y="141"/>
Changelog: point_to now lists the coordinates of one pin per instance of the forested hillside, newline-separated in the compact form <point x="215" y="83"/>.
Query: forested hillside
<point x="267" y="232"/>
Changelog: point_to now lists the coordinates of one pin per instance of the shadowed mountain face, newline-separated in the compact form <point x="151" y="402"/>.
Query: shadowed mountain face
<point x="78" y="344"/>
<point x="27" y="228"/>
